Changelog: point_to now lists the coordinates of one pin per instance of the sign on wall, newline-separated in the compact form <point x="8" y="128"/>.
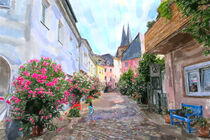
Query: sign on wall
<point x="154" y="70"/>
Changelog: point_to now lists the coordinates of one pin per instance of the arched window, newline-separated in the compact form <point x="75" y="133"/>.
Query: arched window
<point x="4" y="76"/>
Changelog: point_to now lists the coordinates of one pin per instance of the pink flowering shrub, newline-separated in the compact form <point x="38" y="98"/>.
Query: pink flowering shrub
<point x="80" y="85"/>
<point x="40" y="92"/>
<point x="96" y="87"/>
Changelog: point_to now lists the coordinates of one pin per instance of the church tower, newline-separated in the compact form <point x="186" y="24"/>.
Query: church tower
<point x="125" y="42"/>
<point x="129" y="39"/>
<point x="124" y="38"/>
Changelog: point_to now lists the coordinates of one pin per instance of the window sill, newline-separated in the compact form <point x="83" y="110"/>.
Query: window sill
<point x="60" y="42"/>
<point x="198" y="95"/>
<point x="45" y="25"/>
<point x="4" y="7"/>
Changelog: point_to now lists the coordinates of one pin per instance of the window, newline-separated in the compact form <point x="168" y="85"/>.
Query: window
<point x="126" y="64"/>
<point x="110" y="70"/>
<point x="197" y="79"/>
<point x="105" y="69"/>
<point x="5" y="3"/>
<point x="60" y="33"/>
<point x="110" y="78"/>
<point x="44" y="11"/>
<point x="105" y="77"/>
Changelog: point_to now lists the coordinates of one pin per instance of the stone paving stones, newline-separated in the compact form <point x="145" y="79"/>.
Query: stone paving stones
<point x="122" y="119"/>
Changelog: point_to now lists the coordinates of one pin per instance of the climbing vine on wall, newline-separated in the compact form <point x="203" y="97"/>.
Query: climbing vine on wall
<point x="164" y="10"/>
<point x="199" y="13"/>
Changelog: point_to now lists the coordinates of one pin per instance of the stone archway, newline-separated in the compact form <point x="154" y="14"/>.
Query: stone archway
<point x="4" y="76"/>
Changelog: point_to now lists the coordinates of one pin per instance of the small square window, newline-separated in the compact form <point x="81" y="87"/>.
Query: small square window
<point x="105" y="69"/>
<point x="126" y="64"/>
<point x="110" y="70"/>
<point x="5" y="3"/>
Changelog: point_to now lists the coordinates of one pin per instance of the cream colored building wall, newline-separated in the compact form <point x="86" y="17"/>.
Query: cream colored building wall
<point x="117" y="69"/>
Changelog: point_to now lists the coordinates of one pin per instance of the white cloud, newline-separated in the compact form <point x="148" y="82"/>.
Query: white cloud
<point x="104" y="34"/>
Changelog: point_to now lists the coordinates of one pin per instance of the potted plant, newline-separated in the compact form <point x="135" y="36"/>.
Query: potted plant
<point x="202" y="127"/>
<point x="167" y="116"/>
<point x="40" y="93"/>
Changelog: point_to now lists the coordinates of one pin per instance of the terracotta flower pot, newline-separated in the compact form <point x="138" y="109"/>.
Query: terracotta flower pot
<point x="37" y="130"/>
<point x="203" y="132"/>
<point x="167" y="119"/>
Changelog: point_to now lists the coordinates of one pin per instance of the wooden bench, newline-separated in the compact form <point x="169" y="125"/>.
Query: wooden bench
<point x="195" y="113"/>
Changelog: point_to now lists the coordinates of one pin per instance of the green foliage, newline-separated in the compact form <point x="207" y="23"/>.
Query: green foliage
<point x="125" y="83"/>
<point x="74" y="112"/>
<point x="144" y="64"/>
<point x="144" y="70"/>
<point x="199" y="13"/>
<point x="201" y="122"/>
<point x="164" y="10"/>
<point x="150" y="23"/>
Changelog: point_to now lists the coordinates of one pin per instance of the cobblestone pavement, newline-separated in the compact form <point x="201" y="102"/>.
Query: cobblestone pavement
<point x="120" y="118"/>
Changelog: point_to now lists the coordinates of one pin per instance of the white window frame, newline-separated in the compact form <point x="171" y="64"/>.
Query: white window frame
<point x="6" y="6"/>
<point x="60" y="33"/>
<point x="195" y="68"/>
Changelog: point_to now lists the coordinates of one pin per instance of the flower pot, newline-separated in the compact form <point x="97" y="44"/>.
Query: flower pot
<point x="203" y="132"/>
<point x="37" y="130"/>
<point x="167" y="119"/>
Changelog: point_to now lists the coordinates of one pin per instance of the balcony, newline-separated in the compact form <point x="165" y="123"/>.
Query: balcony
<point x="165" y="36"/>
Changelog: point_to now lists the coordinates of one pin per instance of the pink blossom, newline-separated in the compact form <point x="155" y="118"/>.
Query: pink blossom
<point x="41" y="88"/>
<point x="20" y="129"/>
<point x="60" y="118"/>
<point x="42" y="117"/>
<point x="21" y="66"/>
<point x="46" y="117"/>
<point x="30" y="91"/>
<point x="8" y="102"/>
<point x="1" y="98"/>
<point x="50" y="116"/>
<point x="59" y="129"/>
<point x="58" y="88"/>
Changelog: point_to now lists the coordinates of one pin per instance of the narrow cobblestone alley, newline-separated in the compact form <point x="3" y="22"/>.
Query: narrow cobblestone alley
<point x="120" y="118"/>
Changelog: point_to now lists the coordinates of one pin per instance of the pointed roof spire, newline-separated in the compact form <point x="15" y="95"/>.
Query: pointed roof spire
<point x="124" y="38"/>
<point x="129" y="35"/>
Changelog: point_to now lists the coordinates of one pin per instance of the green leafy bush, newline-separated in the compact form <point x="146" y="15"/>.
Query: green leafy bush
<point x="75" y="111"/>
<point x="125" y="83"/>
<point x="198" y="11"/>
<point x="164" y="10"/>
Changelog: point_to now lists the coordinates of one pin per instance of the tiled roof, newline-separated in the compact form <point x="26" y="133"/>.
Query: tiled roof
<point x="134" y="49"/>
<point x="109" y="59"/>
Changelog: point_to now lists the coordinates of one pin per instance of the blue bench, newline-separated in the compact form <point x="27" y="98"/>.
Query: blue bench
<point x="196" y="112"/>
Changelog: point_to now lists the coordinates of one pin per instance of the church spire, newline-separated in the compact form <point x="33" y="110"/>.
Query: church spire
<point x="124" y="38"/>
<point x="129" y="39"/>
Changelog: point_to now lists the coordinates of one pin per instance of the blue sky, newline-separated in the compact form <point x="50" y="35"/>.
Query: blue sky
<point x="101" y="21"/>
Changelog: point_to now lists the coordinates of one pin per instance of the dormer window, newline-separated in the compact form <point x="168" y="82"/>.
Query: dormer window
<point x="5" y="3"/>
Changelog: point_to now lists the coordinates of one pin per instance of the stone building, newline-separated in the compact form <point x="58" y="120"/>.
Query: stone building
<point x="30" y="29"/>
<point x="187" y="70"/>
